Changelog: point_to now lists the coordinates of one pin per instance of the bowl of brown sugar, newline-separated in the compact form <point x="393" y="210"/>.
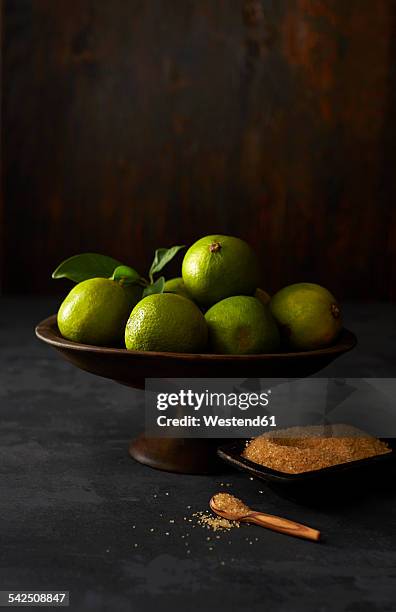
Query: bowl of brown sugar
<point x="313" y="454"/>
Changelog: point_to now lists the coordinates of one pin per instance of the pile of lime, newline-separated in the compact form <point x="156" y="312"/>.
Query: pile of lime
<point x="216" y="305"/>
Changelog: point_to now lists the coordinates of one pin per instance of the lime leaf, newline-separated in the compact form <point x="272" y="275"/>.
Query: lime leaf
<point x="162" y="257"/>
<point x="87" y="265"/>
<point x="157" y="287"/>
<point x="125" y="276"/>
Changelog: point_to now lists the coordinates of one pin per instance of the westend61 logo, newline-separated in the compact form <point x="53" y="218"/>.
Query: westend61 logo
<point x="211" y="399"/>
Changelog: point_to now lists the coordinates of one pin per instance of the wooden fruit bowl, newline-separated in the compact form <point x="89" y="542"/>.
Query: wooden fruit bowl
<point x="133" y="367"/>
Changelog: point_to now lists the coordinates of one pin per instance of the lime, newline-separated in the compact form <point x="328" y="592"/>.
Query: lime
<point x="166" y="322"/>
<point x="176" y="285"/>
<point x="241" y="325"/>
<point x="94" y="312"/>
<point x="217" y="267"/>
<point x="308" y="315"/>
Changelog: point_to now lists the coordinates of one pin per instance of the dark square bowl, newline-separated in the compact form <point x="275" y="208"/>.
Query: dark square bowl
<point x="331" y="484"/>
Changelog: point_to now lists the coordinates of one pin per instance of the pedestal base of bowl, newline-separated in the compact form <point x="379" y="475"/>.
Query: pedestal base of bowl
<point x="181" y="455"/>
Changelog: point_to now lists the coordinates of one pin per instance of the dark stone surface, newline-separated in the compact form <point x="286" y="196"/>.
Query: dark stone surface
<point x="73" y="505"/>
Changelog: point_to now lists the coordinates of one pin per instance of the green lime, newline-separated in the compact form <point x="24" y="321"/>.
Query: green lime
<point x="241" y="325"/>
<point x="217" y="267"/>
<point x="94" y="312"/>
<point x="176" y="285"/>
<point x="166" y="322"/>
<point x="308" y="315"/>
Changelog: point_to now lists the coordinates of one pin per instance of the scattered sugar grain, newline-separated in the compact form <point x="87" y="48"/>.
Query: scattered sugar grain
<point x="216" y="523"/>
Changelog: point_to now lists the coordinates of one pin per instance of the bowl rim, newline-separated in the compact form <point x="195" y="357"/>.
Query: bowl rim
<point x="47" y="331"/>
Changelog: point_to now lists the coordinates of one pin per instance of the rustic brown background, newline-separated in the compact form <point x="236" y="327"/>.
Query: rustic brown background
<point x="133" y="124"/>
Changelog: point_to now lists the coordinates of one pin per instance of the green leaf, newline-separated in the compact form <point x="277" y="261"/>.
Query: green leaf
<point x="163" y="257"/>
<point x="157" y="287"/>
<point x="87" y="265"/>
<point x="126" y="276"/>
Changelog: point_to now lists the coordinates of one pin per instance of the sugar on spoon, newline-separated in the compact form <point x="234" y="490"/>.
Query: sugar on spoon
<point x="229" y="507"/>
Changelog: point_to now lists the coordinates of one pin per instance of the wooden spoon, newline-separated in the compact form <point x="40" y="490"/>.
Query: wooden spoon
<point x="230" y="507"/>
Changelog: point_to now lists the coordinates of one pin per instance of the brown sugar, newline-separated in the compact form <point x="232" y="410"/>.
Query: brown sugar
<point x="233" y="506"/>
<point x="304" y="449"/>
<point x="215" y="523"/>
